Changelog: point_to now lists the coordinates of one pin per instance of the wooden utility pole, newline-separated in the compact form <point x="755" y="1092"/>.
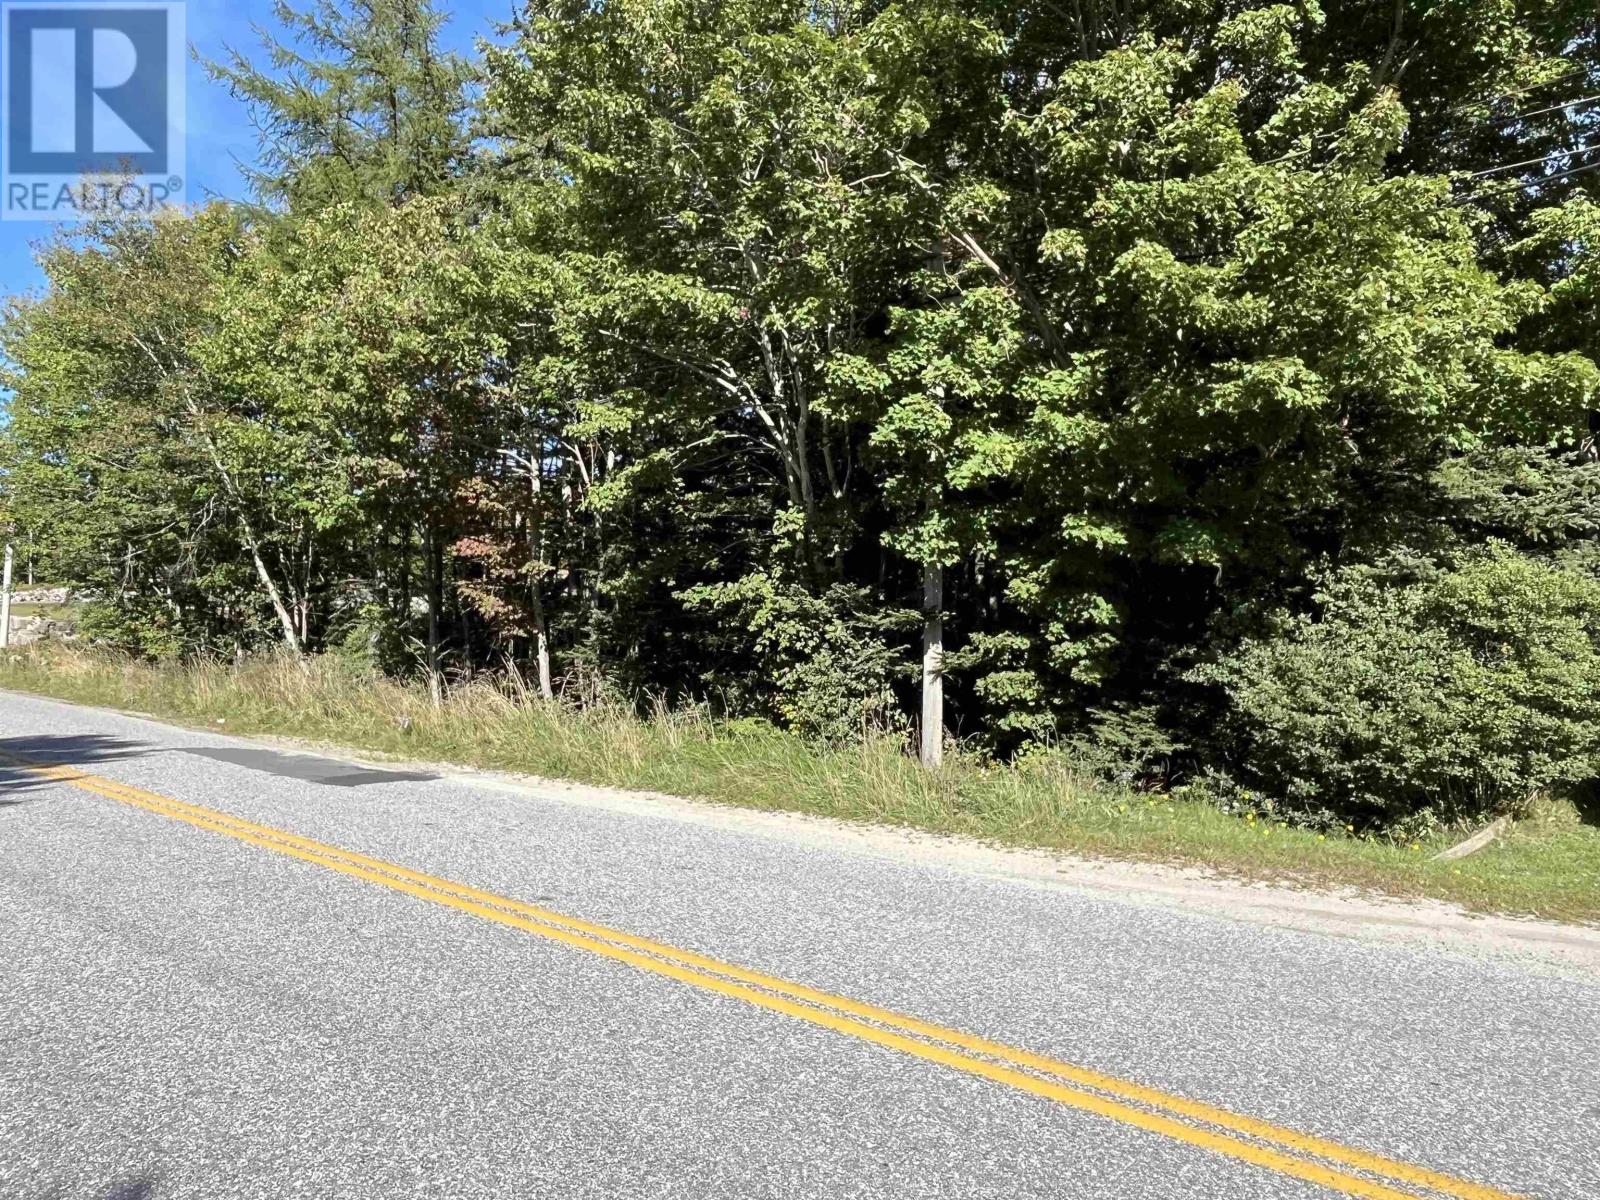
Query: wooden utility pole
<point x="5" y="600"/>
<point x="933" y="666"/>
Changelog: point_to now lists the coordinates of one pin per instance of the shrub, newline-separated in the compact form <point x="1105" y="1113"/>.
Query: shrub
<point x="139" y="628"/>
<point x="821" y="665"/>
<point x="1466" y="692"/>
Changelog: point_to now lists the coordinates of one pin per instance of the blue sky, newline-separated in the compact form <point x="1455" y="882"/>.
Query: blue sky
<point x="220" y="133"/>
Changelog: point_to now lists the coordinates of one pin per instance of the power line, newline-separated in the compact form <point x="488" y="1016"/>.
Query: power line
<point x="1464" y="105"/>
<point x="1539" y="112"/>
<point x="1574" y="152"/>
<point x="1512" y="187"/>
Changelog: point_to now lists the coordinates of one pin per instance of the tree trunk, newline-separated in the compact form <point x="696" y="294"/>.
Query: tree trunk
<point x="933" y="666"/>
<point x="405" y="577"/>
<point x="252" y="543"/>
<point x="285" y="620"/>
<point x="5" y="602"/>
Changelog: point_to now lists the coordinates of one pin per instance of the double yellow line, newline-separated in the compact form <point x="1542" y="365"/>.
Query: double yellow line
<point x="1343" y="1169"/>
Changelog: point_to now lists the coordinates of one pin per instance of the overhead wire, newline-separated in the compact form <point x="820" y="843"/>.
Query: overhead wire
<point x="1464" y="105"/>
<point x="1540" y="112"/>
<point x="1568" y="152"/>
<point x="1564" y="153"/>
<point x="1527" y="183"/>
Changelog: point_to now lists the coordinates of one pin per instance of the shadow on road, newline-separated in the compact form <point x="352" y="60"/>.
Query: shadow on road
<point x="85" y="750"/>
<point x="74" y="750"/>
<point x="134" y="1187"/>
<point x="142" y="1187"/>
<point x="308" y="768"/>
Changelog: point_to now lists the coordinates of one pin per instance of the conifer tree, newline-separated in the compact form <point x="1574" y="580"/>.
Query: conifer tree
<point x="360" y="102"/>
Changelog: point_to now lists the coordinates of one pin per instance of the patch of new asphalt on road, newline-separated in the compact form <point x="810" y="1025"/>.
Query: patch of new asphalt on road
<point x="186" y="1015"/>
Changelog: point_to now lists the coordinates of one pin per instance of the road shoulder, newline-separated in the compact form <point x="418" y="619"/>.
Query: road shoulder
<point x="1347" y="914"/>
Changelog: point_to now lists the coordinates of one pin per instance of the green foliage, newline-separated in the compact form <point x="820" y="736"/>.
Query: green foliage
<point x="1465" y="693"/>
<point x="824" y="665"/>
<point x="1546" y="504"/>
<point x="359" y="103"/>
<point x="373" y="640"/>
<point x="663" y="350"/>
<point x="142" y="629"/>
<point x="1181" y="362"/>
<point x="125" y="461"/>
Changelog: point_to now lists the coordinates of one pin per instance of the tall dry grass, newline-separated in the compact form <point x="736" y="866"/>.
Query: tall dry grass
<point x="498" y="723"/>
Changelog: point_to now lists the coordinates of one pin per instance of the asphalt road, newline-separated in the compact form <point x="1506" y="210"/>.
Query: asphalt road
<point x="192" y="1006"/>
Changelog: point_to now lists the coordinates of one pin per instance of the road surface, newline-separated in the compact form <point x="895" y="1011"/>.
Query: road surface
<point x="229" y="971"/>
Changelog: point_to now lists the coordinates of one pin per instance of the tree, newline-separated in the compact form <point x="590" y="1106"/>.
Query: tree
<point x="360" y="103"/>
<point x="1163" y="356"/>
<point x="366" y="335"/>
<point x="730" y="196"/>
<point x="128" y="452"/>
<point x="713" y="351"/>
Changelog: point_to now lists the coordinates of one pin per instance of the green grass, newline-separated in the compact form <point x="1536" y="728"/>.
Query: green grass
<point x="1547" y="866"/>
<point x="56" y="612"/>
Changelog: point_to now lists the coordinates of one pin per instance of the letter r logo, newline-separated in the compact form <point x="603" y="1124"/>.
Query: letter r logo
<point x="88" y="89"/>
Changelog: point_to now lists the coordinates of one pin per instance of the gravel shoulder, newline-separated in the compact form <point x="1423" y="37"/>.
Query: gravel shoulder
<point x="1343" y="913"/>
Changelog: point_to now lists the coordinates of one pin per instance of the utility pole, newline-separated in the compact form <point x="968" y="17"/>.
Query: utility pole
<point x="933" y="666"/>
<point x="5" y="601"/>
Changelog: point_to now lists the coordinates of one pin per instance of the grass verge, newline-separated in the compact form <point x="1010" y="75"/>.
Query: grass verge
<point x="1548" y="866"/>
<point x="56" y="612"/>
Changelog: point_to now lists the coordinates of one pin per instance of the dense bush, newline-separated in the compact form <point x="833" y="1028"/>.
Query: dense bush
<point x="1464" y="692"/>
<point x="824" y="666"/>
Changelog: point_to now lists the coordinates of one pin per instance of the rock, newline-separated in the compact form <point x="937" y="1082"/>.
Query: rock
<point x="53" y="595"/>
<point x="27" y="631"/>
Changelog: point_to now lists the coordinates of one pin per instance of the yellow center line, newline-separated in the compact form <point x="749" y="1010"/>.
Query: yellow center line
<point x="960" y="1050"/>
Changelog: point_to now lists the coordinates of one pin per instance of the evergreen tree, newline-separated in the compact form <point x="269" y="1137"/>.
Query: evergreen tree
<point x="359" y="103"/>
